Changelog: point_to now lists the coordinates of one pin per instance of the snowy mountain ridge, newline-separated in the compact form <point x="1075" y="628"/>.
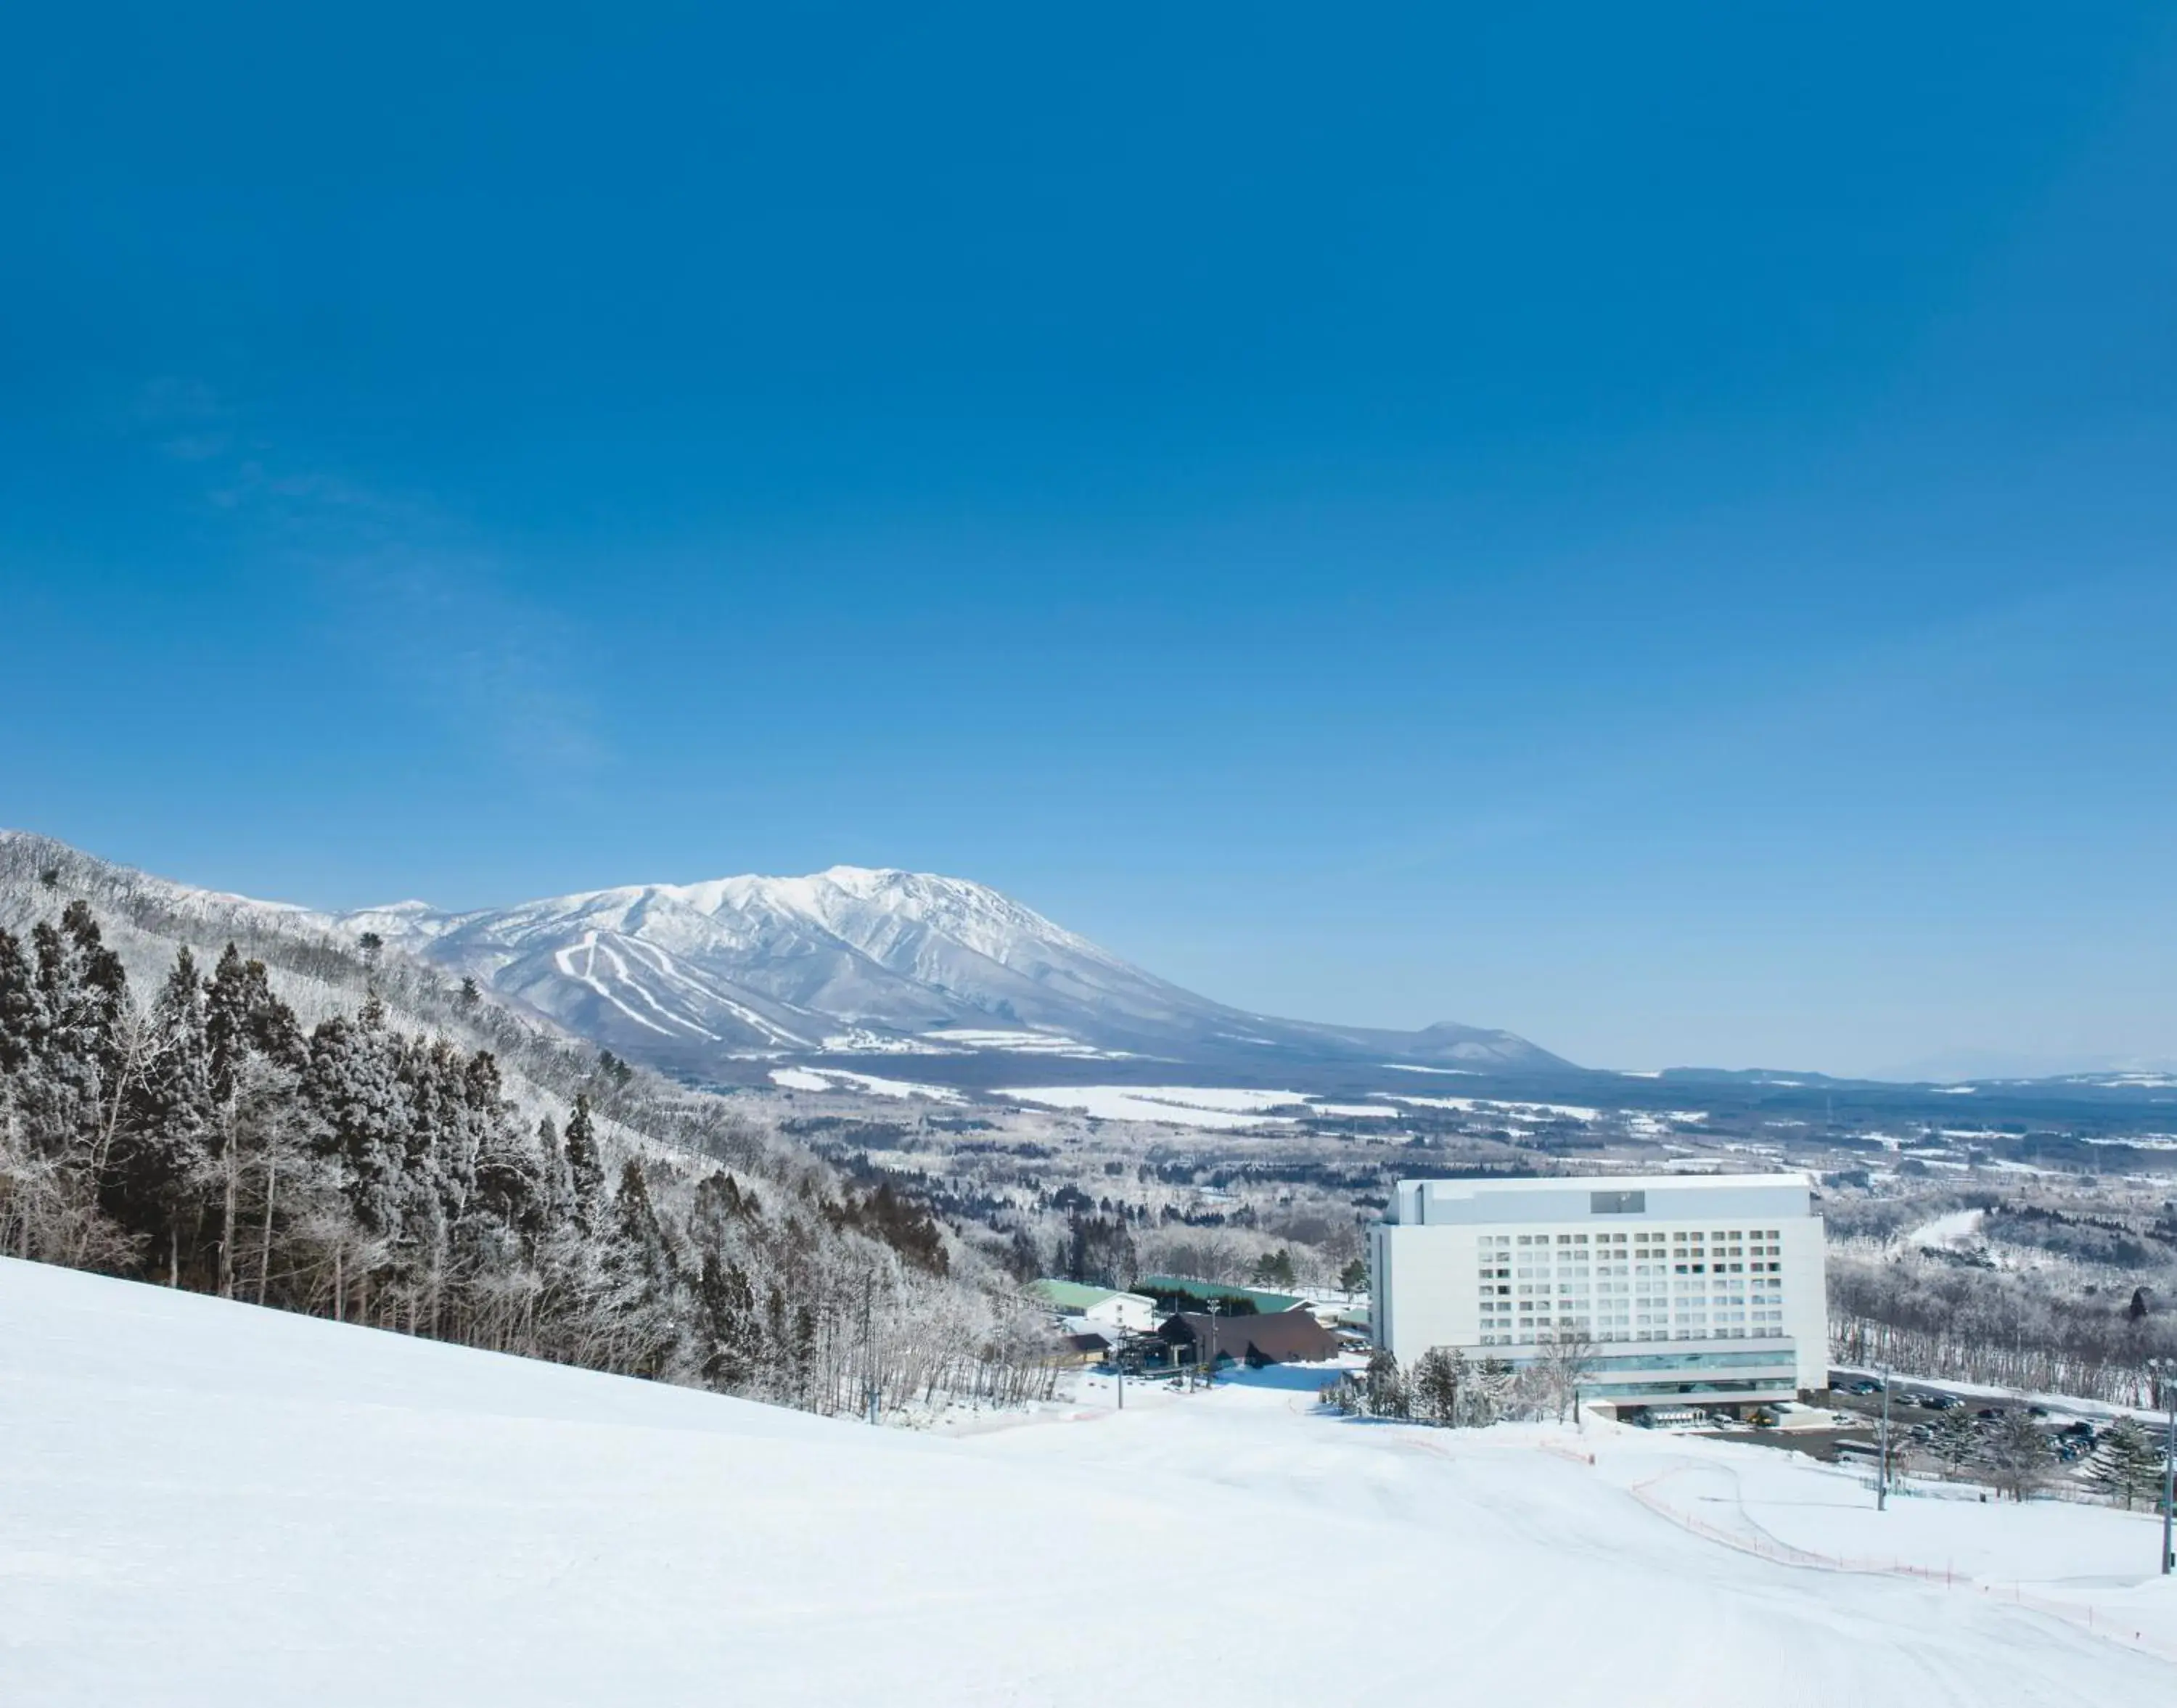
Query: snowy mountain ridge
<point x="850" y="961"/>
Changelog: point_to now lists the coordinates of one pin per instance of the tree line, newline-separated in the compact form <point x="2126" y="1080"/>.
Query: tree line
<point x="363" y="1171"/>
<point x="2003" y="1329"/>
<point x="1446" y="1388"/>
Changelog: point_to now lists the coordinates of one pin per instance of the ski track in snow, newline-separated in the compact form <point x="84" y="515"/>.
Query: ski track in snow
<point x="209" y="1504"/>
<point x="664" y="966"/>
<point x="592" y="945"/>
<point x="564" y="959"/>
<point x="633" y="984"/>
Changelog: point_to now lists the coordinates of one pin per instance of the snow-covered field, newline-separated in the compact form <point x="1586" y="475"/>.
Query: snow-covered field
<point x="1232" y="1108"/>
<point x="201" y="1502"/>
<point x="868" y="1084"/>
<point x="1960" y="1228"/>
<point x="1509" y="1111"/>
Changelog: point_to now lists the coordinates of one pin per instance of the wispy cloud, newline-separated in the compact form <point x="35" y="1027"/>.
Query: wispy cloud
<point x="454" y="633"/>
<point x="437" y="613"/>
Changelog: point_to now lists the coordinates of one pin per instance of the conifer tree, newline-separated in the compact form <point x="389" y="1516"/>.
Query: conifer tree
<point x="554" y="1191"/>
<point x="356" y="1094"/>
<point x="507" y="1183"/>
<point x="2128" y="1463"/>
<point x="168" y="1135"/>
<point x="586" y="1169"/>
<point x="732" y="1329"/>
<point x="1954" y="1443"/>
<point x="17" y="1005"/>
<point x="242" y="1017"/>
<point x="1438" y="1375"/>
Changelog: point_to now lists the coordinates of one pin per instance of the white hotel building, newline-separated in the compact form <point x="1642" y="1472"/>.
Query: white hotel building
<point x="1698" y="1289"/>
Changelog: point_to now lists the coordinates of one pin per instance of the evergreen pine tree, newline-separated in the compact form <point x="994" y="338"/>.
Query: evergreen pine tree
<point x="733" y="1331"/>
<point x="1955" y="1444"/>
<point x="2128" y="1463"/>
<point x="634" y="1223"/>
<point x="554" y="1191"/>
<point x="17" y="1005"/>
<point x="168" y="1135"/>
<point x="1438" y="1375"/>
<point x="586" y="1169"/>
<point x="507" y="1185"/>
<point x="242" y="1017"/>
<point x="354" y="1091"/>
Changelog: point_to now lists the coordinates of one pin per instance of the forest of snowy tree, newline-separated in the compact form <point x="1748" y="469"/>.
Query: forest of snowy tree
<point x="366" y="1170"/>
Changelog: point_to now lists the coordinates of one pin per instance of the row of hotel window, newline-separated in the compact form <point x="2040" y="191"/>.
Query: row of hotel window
<point x="1727" y="1314"/>
<point x="1728" y="1325"/>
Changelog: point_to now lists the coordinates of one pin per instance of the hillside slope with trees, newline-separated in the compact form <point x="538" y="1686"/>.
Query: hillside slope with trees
<point x="333" y="1130"/>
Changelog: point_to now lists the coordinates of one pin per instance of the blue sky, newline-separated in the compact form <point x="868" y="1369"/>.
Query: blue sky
<point x="1651" y="531"/>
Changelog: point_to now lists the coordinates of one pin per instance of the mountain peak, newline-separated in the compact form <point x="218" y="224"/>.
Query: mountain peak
<point x="851" y="960"/>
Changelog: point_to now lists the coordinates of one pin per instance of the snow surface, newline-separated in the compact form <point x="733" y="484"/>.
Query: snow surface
<point x="1229" y="1108"/>
<point x="1960" y="1228"/>
<point x="872" y="1084"/>
<point x="206" y="1504"/>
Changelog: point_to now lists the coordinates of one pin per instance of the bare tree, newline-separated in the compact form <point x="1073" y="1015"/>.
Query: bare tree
<point x="2016" y="1454"/>
<point x="1565" y="1362"/>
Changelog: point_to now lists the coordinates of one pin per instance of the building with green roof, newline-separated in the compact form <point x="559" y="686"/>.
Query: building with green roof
<point x="1105" y="1306"/>
<point x="1181" y="1292"/>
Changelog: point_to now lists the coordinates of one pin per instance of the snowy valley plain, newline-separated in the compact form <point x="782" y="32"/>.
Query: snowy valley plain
<point x="203" y="1502"/>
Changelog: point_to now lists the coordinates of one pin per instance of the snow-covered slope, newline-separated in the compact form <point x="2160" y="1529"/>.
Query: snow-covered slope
<point x="849" y="961"/>
<point x="854" y="960"/>
<point x="207" y="1503"/>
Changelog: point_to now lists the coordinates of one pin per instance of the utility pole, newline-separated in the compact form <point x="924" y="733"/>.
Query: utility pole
<point x="2165" y="1378"/>
<point x="1882" y="1447"/>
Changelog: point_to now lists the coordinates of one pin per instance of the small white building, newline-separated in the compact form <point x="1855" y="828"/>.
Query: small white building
<point x="1098" y="1307"/>
<point x="1695" y="1289"/>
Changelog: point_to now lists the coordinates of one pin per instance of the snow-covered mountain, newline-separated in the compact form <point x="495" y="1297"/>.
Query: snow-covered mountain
<point x="848" y="962"/>
<point x="855" y="961"/>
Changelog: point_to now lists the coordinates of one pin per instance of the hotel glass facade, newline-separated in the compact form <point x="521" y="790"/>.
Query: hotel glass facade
<point x="1698" y="1290"/>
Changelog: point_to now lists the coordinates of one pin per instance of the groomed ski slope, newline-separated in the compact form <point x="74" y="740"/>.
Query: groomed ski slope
<point x="203" y="1502"/>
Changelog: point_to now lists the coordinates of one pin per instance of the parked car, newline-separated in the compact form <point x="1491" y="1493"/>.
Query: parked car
<point x="1864" y="1386"/>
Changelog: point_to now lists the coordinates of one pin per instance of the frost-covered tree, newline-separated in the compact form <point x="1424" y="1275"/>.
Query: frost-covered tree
<point x="1387" y="1391"/>
<point x="374" y="1171"/>
<point x="1439" y="1380"/>
<point x="586" y="1171"/>
<point x="1953" y="1442"/>
<point x="168" y="1135"/>
<point x="2127" y="1464"/>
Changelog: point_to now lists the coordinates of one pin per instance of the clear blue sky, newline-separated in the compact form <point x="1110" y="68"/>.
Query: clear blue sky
<point x="1654" y="529"/>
